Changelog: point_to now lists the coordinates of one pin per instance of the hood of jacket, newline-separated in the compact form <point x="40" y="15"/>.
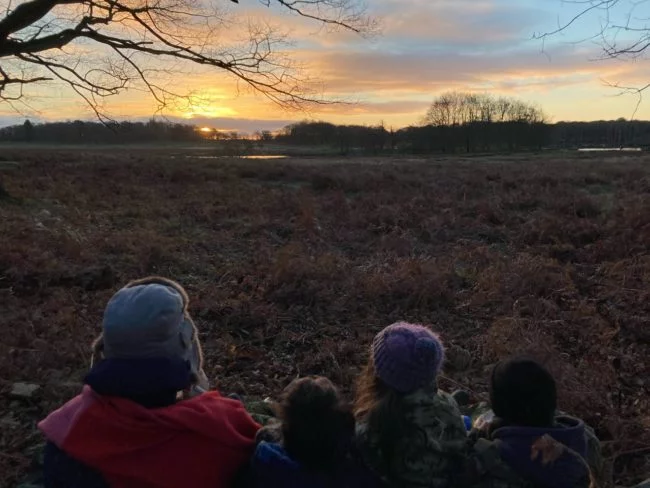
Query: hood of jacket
<point x="151" y="382"/>
<point x="569" y="470"/>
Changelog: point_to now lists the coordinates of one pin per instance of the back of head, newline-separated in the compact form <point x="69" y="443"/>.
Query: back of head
<point x="523" y="392"/>
<point x="145" y="321"/>
<point x="407" y="357"/>
<point x="316" y="423"/>
<point x="149" y="319"/>
<point x="403" y="359"/>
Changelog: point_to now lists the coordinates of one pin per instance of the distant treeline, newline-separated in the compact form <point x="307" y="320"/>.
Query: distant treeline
<point x="466" y="123"/>
<point x="469" y="137"/>
<point x="80" y="132"/>
<point x="615" y="133"/>
<point x="455" y="123"/>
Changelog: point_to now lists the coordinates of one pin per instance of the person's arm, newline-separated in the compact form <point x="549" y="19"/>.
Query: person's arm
<point x="62" y="471"/>
<point x="272" y="432"/>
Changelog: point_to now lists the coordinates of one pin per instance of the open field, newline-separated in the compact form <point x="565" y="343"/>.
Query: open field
<point x="293" y="265"/>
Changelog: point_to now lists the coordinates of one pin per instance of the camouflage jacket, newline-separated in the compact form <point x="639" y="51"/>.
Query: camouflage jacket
<point x="431" y="447"/>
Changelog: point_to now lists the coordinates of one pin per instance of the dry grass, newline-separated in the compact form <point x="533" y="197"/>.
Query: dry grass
<point x="294" y="265"/>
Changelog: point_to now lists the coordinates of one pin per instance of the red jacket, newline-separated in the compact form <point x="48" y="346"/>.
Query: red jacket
<point x="200" y="442"/>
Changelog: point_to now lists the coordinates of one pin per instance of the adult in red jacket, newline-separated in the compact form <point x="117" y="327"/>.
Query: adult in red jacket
<point x="128" y="428"/>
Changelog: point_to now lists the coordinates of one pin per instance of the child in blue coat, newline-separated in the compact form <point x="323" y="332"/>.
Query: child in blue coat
<point x="312" y="446"/>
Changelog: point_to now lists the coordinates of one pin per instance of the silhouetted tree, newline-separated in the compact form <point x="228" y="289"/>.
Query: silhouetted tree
<point x="347" y="138"/>
<point x="99" y="48"/>
<point x="479" y="122"/>
<point x="28" y="130"/>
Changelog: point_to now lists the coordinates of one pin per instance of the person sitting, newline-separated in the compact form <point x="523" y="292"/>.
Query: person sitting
<point x="409" y="432"/>
<point x="143" y="418"/>
<point x="312" y="444"/>
<point x="526" y="443"/>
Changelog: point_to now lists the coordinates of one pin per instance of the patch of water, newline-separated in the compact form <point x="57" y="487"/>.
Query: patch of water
<point x="250" y="156"/>
<point x="268" y="156"/>
<point x="609" y="149"/>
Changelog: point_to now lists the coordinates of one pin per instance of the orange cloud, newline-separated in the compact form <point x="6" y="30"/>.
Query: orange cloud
<point x="427" y="47"/>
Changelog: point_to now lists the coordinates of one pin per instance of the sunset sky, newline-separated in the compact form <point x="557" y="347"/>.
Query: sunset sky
<point x="426" y="47"/>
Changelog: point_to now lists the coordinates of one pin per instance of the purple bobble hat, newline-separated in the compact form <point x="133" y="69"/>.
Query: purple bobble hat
<point x="407" y="356"/>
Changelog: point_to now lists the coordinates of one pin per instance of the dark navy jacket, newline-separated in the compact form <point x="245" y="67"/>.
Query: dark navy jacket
<point x="514" y="444"/>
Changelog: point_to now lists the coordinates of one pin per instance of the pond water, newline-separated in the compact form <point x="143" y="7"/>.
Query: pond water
<point x="250" y="156"/>
<point x="609" y="149"/>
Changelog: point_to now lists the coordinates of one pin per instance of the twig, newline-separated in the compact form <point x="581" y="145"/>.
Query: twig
<point x="640" y="450"/>
<point x="463" y="387"/>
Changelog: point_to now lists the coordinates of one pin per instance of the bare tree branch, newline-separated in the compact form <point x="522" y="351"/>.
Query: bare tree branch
<point x="623" y="33"/>
<point x="628" y="90"/>
<point x="99" y="48"/>
<point x="27" y="14"/>
<point x="349" y="15"/>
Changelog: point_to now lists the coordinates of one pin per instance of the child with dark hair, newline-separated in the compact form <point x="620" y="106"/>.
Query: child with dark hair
<point x="526" y="443"/>
<point x="312" y="445"/>
<point x="408" y="431"/>
<point x="522" y="392"/>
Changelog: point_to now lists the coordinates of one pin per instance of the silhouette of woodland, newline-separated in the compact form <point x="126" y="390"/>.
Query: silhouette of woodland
<point x="454" y="123"/>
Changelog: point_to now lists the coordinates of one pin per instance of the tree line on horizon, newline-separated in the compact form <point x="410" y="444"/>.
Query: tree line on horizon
<point x="454" y="123"/>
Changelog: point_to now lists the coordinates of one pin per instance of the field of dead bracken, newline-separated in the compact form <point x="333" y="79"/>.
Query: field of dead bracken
<point x="293" y="265"/>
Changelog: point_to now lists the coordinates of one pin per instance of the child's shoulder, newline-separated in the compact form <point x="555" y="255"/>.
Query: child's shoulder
<point x="487" y="469"/>
<point x="273" y="454"/>
<point x="431" y="395"/>
<point x="431" y="399"/>
<point x="435" y="411"/>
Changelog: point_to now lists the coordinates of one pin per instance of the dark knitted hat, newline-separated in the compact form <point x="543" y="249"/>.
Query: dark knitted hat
<point x="407" y="356"/>
<point x="148" y="318"/>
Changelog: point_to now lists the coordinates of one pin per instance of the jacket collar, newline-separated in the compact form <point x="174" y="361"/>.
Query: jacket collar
<point x="150" y="382"/>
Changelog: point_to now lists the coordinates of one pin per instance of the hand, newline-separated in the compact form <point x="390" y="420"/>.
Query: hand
<point x="270" y="433"/>
<point x="484" y="420"/>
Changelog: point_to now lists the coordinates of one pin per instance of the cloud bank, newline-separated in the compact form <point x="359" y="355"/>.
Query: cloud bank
<point x="427" y="47"/>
